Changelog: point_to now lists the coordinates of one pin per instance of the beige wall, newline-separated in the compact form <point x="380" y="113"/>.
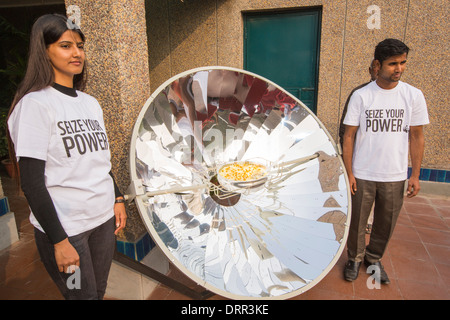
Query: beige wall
<point x="188" y="34"/>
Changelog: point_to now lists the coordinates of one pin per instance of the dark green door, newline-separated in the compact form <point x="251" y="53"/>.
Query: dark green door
<point x="284" y="48"/>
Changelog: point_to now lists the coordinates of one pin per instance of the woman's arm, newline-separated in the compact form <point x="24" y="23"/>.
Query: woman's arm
<point x="119" y="207"/>
<point x="32" y="180"/>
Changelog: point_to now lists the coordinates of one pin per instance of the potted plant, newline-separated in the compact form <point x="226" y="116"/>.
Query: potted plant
<point x="4" y="143"/>
<point x="3" y="139"/>
<point x="13" y="52"/>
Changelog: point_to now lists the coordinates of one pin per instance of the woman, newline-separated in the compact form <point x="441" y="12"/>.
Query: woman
<point x="57" y="135"/>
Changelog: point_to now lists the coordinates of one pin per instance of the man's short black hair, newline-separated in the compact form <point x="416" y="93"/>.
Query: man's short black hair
<point x="389" y="48"/>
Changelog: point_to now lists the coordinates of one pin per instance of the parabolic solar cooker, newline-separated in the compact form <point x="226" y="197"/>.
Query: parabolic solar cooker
<point x="239" y="184"/>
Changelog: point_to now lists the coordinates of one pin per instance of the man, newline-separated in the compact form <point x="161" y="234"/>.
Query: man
<point x="380" y="119"/>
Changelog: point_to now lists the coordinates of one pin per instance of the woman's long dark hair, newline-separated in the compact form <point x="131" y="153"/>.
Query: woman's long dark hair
<point x="39" y="73"/>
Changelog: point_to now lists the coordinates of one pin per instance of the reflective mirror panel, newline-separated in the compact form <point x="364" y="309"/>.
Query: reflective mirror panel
<point x="244" y="190"/>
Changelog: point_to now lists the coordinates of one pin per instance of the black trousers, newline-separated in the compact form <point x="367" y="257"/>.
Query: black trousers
<point x="96" y="249"/>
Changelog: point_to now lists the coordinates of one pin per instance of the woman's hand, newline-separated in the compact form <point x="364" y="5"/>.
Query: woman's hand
<point x="66" y="256"/>
<point x="121" y="216"/>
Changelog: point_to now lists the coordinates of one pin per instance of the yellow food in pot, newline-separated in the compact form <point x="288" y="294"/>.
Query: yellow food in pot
<point x="243" y="171"/>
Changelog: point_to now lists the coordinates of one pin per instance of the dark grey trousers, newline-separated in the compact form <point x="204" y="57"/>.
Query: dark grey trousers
<point x="96" y="249"/>
<point x="388" y="198"/>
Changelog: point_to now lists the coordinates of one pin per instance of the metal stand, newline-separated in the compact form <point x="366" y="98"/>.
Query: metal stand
<point x="162" y="278"/>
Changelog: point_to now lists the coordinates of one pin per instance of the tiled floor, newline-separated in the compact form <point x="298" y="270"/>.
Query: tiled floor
<point x="417" y="260"/>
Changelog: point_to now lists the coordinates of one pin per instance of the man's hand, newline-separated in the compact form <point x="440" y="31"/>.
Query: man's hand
<point x="352" y="183"/>
<point x="413" y="187"/>
<point x="417" y="144"/>
<point x="347" y="154"/>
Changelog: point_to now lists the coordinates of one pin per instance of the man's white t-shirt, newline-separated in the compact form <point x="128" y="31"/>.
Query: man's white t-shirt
<point x="384" y="118"/>
<point x="68" y="133"/>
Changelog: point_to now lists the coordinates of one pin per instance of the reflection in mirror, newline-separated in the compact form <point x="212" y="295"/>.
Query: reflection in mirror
<point x="245" y="192"/>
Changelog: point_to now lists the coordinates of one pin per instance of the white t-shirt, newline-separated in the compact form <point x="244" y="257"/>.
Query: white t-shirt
<point x="69" y="134"/>
<point x="384" y="118"/>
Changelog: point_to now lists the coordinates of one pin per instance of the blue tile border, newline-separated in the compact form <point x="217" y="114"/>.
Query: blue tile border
<point x="4" y="206"/>
<point x="433" y="175"/>
<point x="136" y="250"/>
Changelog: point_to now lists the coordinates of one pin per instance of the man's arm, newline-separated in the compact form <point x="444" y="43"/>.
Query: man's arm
<point x="416" y="144"/>
<point x="347" y="154"/>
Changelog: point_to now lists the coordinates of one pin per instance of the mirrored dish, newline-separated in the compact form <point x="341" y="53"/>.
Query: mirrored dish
<point x="272" y="235"/>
